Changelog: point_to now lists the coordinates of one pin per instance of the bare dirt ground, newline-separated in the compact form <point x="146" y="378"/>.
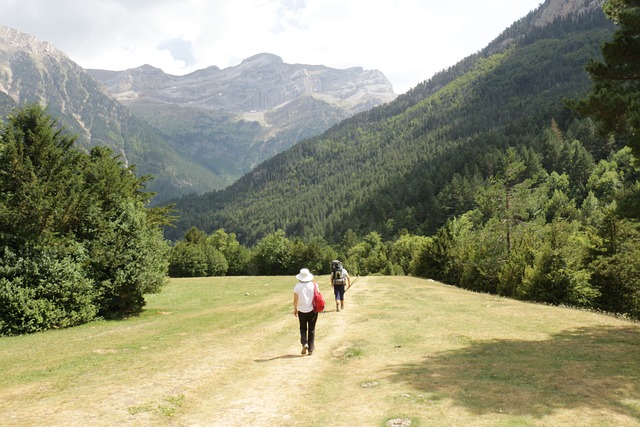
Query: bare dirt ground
<point x="265" y="382"/>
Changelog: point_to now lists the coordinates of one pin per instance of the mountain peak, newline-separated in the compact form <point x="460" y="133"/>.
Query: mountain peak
<point x="146" y="68"/>
<point x="259" y="83"/>
<point x="13" y="42"/>
<point x="264" y="58"/>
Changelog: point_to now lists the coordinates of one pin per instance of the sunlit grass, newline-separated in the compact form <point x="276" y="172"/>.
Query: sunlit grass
<point x="409" y="350"/>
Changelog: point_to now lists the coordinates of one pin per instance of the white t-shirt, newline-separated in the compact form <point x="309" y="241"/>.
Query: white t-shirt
<point x="305" y="296"/>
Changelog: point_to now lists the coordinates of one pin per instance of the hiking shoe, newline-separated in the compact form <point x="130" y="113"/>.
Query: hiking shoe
<point x="304" y="349"/>
<point x="310" y="351"/>
<point x="337" y="308"/>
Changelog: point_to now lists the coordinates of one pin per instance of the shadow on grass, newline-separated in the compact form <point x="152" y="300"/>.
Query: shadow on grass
<point x="596" y="368"/>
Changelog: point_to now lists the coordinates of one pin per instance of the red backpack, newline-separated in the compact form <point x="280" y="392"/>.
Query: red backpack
<point x="318" y="299"/>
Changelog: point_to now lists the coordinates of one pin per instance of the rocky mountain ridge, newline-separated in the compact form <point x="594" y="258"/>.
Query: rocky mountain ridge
<point x="258" y="83"/>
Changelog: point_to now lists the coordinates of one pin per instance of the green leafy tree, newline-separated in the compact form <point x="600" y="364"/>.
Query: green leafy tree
<point x="435" y="259"/>
<point x="128" y="254"/>
<point x="316" y="255"/>
<point x="195" y="236"/>
<point x="405" y="249"/>
<point x="513" y="270"/>
<point x="273" y="255"/>
<point x="591" y="211"/>
<point x="236" y="255"/>
<point x="553" y="149"/>
<point x="368" y="256"/>
<point x="40" y="179"/>
<point x="349" y="240"/>
<point x="45" y="288"/>
<point x="199" y="255"/>
<point x="217" y="264"/>
<point x="610" y="177"/>
<point x="510" y="198"/>
<point x="188" y="260"/>
<point x="560" y="274"/>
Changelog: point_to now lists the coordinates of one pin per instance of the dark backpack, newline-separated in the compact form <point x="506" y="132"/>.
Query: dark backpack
<point x="336" y="273"/>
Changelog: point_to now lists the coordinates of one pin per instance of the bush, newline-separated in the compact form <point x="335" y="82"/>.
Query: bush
<point x="46" y="290"/>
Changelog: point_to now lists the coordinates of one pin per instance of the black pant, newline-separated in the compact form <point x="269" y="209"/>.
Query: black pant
<point x="308" y="328"/>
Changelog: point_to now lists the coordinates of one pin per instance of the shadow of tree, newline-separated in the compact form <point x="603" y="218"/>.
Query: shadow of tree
<point x="596" y="368"/>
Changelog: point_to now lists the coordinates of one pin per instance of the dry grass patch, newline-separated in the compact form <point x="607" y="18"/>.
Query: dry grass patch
<point x="404" y="352"/>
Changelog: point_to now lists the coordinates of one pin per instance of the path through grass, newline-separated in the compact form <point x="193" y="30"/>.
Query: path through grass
<point x="405" y="351"/>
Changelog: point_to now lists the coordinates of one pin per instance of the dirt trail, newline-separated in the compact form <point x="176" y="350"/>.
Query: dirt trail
<point x="263" y="383"/>
<point x="256" y="377"/>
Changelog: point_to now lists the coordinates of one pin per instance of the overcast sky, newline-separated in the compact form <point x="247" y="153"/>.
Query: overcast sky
<point x="408" y="40"/>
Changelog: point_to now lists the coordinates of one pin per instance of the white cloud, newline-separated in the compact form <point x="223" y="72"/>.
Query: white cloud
<point x="408" y="40"/>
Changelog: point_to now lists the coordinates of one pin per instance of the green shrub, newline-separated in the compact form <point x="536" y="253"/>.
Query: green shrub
<point x="46" y="290"/>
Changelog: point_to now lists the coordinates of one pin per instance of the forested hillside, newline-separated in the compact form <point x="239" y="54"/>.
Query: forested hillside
<point x="410" y="165"/>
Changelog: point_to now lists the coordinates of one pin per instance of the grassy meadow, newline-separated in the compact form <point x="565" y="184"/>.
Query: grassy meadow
<point x="404" y="352"/>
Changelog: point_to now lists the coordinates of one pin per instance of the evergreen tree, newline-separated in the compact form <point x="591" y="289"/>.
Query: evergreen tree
<point x="614" y="101"/>
<point x="616" y="267"/>
<point x="76" y="237"/>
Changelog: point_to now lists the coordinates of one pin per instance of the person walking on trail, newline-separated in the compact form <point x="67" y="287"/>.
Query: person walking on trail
<point x="303" y="310"/>
<point x="339" y="279"/>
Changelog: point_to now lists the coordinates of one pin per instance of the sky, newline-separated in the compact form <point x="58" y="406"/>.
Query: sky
<point x="407" y="40"/>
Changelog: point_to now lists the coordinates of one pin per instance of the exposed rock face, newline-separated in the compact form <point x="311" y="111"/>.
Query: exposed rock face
<point x="259" y="83"/>
<point x="33" y="71"/>
<point x="558" y="8"/>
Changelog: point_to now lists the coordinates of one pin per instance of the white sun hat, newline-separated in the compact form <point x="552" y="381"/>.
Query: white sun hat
<point x="305" y="275"/>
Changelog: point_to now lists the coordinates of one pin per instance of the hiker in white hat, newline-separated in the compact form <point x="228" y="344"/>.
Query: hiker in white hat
<point x="303" y="309"/>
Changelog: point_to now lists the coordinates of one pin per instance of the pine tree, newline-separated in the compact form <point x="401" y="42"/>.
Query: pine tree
<point x="76" y="238"/>
<point x="614" y="100"/>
